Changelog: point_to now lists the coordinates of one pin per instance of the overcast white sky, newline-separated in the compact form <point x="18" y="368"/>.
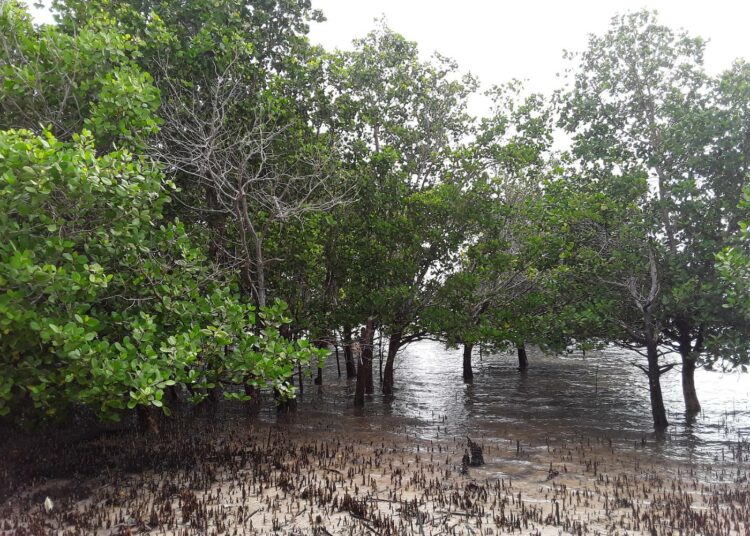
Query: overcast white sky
<point x="499" y="40"/>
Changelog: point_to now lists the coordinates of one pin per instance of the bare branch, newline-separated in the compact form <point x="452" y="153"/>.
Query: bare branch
<point x="223" y="139"/>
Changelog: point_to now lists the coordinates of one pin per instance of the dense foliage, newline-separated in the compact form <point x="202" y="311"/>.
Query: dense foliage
<point x="196" y="200"/>
<point x="105" y="303"/>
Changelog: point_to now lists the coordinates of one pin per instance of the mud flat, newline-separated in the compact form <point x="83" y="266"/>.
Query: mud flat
<point x="286" y="478"/>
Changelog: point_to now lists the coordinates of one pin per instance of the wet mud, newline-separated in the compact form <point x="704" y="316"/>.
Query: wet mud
<point x="564" y="452"/>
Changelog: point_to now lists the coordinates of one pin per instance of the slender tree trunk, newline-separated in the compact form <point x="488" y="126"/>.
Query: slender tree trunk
<point x="651" y="331"/>
<point x="692" y="405"/>
<point x="285" y="405"/>
<point x="171" y="397"/>
<point x="665" y="198"/>
<point x="216" y="220"/>
<point x="351" y="366"/>
<point x="367" y="350"/>
<point x="351" y="369"/>
<point x="658" y="412"/>
<point x="320" y="344"/>
<point x="394" y="343"/>
<point x="468" y="373"/>
<point x="359" y="389"/>
<point x="688" y="355"/>
<point x="260" y="270"/>
<point x="215" y="394"/>
<point x="380" y="355"/>
<point x="254" y="394"/>
<point x="365" y="356"/>
<point x="252" y="258"/>
<point x="338" y="363"/>
<point x="369" y="380"/>
<point x="147" y="420"/>
<point x="523" y="360"/>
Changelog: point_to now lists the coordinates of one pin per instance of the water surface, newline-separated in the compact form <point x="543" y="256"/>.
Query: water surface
<point x="563" y="397"/>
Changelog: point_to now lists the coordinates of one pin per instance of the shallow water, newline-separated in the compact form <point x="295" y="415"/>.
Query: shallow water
<point x="560" y="398"/>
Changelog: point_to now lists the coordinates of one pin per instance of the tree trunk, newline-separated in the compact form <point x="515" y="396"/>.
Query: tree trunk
<point x="394" y="343"/>
<point x="468" y="373"/>
<point x="254" y="394"/>
<point x="367" y="350"/>
<point x="285" y="405"/>
<point x="252" y="260"/>
<point x="692" y="405"/>
<point x="688" y="355"/>
<point x="260" y="269"/>
<point x="320" y="344"/>
<point x="216" y="220"/>
<point x="338" y="363"/>
<point x="171" y="397"/>
<point x="147" y="420"/>
<point x="369" y="381"/>
<point x="523" y="360"/>
<point x="380" y="355"/>
<point x="365" y="362"/>
<point x="216" y="394"/>
<point x="351" y="369"/>
<point x="658" y="412"/>
<point x="359" y="389"/>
